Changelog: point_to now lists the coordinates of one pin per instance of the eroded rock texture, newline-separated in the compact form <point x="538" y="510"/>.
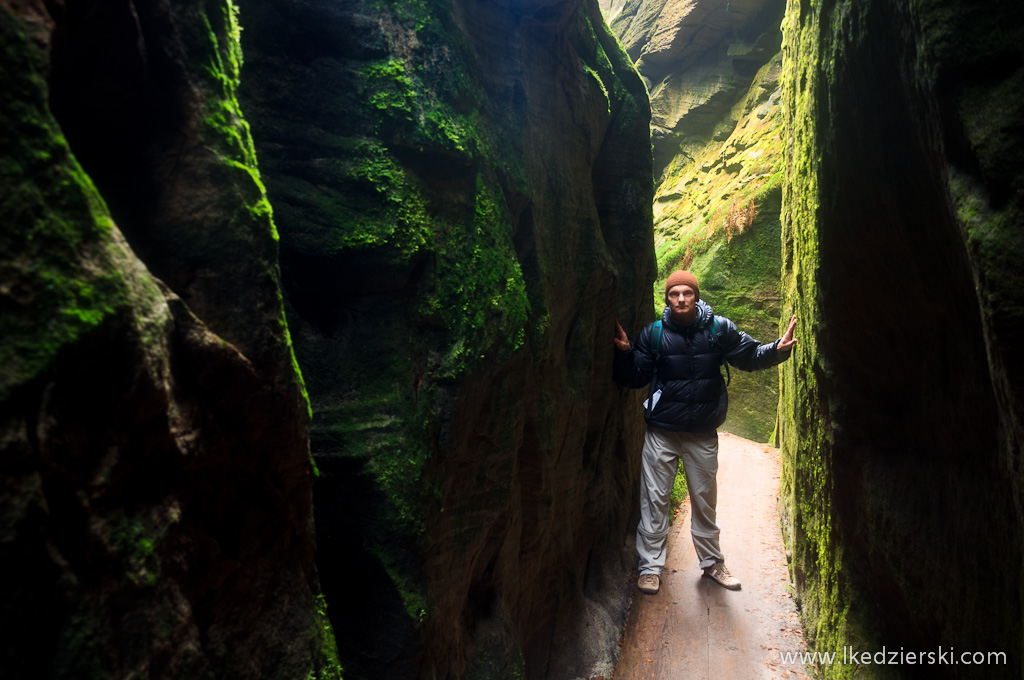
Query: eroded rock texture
<point x="713" y="71"/>
<point x="903" y="251"/>
<point x="463" y="191"/>
<point x="155" y="504"/>
<point x="698" y="58"/>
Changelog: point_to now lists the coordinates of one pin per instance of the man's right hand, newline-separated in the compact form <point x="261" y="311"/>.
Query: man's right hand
<point x="621" y="339"/>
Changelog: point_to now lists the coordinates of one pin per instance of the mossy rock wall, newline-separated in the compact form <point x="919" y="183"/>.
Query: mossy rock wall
<point x="713" y="74"/>
<point x="464" y="193"/>
<point x="900" y="421"/>
<point x="155" y="503"/>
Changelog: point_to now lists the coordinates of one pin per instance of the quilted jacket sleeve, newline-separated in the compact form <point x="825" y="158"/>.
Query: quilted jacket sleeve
<point x="635" y="367"/>
<point x="746" y="353"/>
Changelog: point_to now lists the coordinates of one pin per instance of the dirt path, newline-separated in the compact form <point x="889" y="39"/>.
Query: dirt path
<point x="695" y="629"/>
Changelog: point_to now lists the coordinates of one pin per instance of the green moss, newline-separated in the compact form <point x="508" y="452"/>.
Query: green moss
<point x="55" y="224"/>
<point x="426" y="100"/>
<point x="740" y="281"/>
<point x="375" y="417"/>
<point x="403" y="221"/>
<point x="134" y="539"/>
<point x="406" y="109"/>
<point x="993" y="238"/>
<point x="390" y="89"/>
<point x="410" y="589"/>
<point x="226" y="129"/>
<point x="429" y="101"/>
<point x="717" y="189"/>
<point x="804" y="431"/>
<point x="379" y="387"/>
<point x="397" y="465"/>
<point x="600" y="83"/>
<point x="519" y="667"/>
<point x="420" y="14"/>
<point x="991" y="118"/>
<point x="371" y="204"/>
<point x="481" y="295"/>
<point x="382" y="426"/>
<point x="227" y="134"/>
<point x="475" y="302"/>
<point x="605" y="58"/>
<point x="325" y="665"/>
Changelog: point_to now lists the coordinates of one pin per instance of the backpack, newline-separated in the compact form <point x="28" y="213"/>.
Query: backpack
<point x="715" y="339"/>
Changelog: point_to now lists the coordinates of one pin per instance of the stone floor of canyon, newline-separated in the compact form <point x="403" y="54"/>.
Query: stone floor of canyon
<point x="694" y="629"/>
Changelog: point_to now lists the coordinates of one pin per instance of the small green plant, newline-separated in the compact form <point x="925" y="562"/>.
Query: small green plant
<point x="679" y="491"/>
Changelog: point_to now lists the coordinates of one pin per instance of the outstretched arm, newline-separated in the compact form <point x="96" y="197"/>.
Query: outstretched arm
<point x="747" y="354"/>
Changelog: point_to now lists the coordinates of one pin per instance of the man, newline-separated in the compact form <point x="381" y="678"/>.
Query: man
<point x="687" y="402"/>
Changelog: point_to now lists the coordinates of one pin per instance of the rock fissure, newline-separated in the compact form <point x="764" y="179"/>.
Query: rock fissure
<point x="428" y="214"/>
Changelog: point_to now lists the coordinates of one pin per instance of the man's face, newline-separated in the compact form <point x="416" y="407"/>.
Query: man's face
<point x="682" y="301"/>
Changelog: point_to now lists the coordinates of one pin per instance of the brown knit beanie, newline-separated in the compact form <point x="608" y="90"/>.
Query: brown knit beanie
<point x="685" y="279"/>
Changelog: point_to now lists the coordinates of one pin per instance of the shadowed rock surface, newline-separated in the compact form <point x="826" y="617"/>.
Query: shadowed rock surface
<point x="463" y="216"/>
<point x="903" y="248"/>
<point x="464" y="197"/>
<point x="155" y="506"/>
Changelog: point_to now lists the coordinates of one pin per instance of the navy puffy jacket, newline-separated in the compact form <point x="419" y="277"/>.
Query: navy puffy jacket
<point x="693" y="398"/>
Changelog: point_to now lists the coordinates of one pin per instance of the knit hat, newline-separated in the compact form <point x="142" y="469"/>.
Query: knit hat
<point x="685" y="279"/>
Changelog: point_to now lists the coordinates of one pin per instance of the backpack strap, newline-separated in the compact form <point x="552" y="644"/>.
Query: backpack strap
<point x="715" y="330"/>
<point x="656" y="346"/>
<point x="657" y="342"/>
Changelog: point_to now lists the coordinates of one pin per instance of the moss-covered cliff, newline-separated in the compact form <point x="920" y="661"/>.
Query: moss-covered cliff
<point x="462" y="217"/>
<point x="155" y="505"/>
<point x="462" y="214"/>
<point x="902" y="250"/>
<point x="713" y="74"/>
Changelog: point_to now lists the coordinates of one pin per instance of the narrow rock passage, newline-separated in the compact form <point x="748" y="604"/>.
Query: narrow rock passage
<point x="695" y="629"/>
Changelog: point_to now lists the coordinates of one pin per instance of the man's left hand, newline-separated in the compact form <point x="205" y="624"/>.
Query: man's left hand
<point x="787" y="341"/>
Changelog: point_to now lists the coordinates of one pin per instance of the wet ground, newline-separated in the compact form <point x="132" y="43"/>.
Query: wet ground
<point x="695" y="629"/>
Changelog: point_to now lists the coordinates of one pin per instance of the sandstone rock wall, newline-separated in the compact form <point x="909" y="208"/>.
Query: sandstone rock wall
<point x="463" y="214"/>
<point x="463" y="211"/>
<point x="901" y="421"/>
<point x="156" y="480"/>
<point x="698" y="58"/>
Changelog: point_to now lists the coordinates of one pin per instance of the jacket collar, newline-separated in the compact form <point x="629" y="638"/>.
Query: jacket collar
<point x="704" y="315"/>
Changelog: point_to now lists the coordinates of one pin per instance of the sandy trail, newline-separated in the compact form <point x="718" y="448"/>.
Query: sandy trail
<point x="695" y="629"/>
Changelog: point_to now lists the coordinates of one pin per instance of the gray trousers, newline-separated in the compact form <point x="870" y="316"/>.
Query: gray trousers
<point x="662" y="452"/>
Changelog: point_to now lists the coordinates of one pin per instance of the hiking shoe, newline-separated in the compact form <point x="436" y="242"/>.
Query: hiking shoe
<point x="719" y="572"/>
<point x="648" y="583"/>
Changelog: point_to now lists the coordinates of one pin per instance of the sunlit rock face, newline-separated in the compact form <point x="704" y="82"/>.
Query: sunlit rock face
<point x="463" y="191"/>
<point x="155" y="504"/>
<point x="903" y="253"/>
<point x="698" y="58"/>
<point x="713" y="72"/>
